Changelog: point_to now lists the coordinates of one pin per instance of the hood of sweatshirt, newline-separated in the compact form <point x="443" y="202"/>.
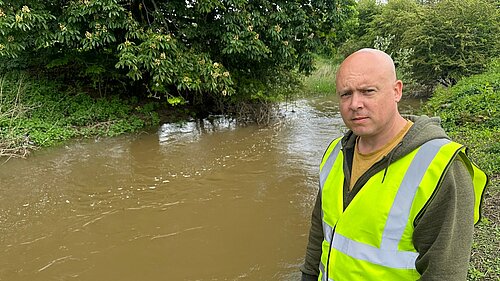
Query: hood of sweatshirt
<point x="423" y="130"/>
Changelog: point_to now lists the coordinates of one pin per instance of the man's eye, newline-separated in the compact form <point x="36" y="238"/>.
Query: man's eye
<point x="368" y="91"/>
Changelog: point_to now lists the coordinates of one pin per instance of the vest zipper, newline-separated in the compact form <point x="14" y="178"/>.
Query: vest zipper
<point x="329" y="252"/>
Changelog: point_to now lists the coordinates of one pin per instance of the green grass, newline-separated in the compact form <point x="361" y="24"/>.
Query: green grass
<point x="36" y="113"/>
<point x="322" y="80"/>
<point x="485" y="257"/>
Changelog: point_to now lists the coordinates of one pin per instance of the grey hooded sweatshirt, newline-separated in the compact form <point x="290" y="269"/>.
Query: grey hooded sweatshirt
<point x="443" y="232"/>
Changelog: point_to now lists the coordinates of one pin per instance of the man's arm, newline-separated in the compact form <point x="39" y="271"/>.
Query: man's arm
<point x="443" y="235"/>
<point x="310" y="268"/>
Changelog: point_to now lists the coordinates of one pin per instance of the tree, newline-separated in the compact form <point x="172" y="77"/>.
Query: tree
<point x="361" y="35"/>
<point x="185" y="50"/>
<point x="439" y="41"/>
<point x="396" y="18"/>
<point x="454" y="39"/>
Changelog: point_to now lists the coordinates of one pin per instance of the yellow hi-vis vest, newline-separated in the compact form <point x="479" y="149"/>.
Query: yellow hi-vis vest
<point x="372" y="238"/>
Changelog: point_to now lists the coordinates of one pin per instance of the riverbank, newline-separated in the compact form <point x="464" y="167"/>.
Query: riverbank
<point x="40" y="113"/>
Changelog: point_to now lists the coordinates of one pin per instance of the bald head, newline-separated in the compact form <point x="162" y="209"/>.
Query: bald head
<point x="371" y="61"/>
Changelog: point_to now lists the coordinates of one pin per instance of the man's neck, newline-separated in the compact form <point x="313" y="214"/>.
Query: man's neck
<point x="368" y="145"/>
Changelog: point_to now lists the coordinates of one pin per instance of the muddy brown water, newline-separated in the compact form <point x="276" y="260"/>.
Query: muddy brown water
<point x="203" y="200"/>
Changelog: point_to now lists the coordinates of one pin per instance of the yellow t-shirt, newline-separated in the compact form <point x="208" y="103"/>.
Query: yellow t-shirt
<point x="362" y="162"/>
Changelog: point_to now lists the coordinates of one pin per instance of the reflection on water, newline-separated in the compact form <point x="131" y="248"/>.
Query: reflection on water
<point x="190" y="131"/>
<point x="202" y="200"/>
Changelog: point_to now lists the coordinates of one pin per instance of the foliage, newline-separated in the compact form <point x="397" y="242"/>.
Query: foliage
<point x="322" y="80"/>
<point x="378" y="21"/>
<point x="361" y="37"/>
<point x="258" y="102"/>
<point x="485" y="262"/>
<point x="454" y="39"/>
<point x="440" y="41"/>
<point x="470" y="114"/>
<point x="472" y="102"/>
<point x="395" y="19"/>
<point x="37" y="114"/>
<point x="11" y="110"/>
<point x="189" y="51"/>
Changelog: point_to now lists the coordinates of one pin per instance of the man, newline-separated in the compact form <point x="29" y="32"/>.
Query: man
<point x="398" y="200"/>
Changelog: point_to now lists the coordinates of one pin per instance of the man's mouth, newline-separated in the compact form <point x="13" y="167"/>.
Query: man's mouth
<point x="359" y="118"/>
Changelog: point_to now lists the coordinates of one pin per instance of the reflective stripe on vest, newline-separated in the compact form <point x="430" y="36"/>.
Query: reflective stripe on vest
<point x="388" y="254"/>
<point x="323" y="273"/>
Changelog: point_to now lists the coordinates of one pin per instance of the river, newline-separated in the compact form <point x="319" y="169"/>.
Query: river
<point x="203" y="200"/>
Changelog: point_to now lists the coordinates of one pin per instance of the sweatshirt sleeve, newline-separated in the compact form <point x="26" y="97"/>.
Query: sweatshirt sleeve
<point x="443" y="234"/>
<point x="310" y="268"/>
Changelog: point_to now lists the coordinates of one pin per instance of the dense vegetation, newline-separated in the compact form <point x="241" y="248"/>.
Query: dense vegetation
<point x="470" y="113"/>
<point x="432" y="42"/>
<point x="111" y="63"/>
<point x="36" y="114"/>
<point x="199" y="52"/>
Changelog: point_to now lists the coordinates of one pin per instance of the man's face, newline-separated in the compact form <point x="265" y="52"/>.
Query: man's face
<point x="368" y="97"/>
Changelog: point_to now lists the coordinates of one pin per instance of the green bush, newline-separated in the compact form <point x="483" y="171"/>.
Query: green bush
<point x="470" y="113"/>
<point x="454" y="39"/>
<point x="483" y="146"/>
<point x="472" y="102"/>
<point x="448" y="39"/>
<point x="41" y="113"/>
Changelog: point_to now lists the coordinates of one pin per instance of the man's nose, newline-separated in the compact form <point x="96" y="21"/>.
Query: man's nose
<point x="356" y="101"/>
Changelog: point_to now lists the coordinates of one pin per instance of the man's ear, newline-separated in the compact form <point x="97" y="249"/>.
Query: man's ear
<point x="398" y="90"/>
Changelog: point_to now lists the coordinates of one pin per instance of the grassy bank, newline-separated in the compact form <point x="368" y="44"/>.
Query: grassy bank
<point x="469" y="112"/>
<point x="322" y="80"/>
<point x="37" y="114"/>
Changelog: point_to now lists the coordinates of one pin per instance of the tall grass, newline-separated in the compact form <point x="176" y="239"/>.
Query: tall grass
<point x="12" y="109"/>
<point x="322" y="80"/>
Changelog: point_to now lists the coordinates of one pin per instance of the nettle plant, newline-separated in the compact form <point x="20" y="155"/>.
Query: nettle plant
<point x="178" y="48"/>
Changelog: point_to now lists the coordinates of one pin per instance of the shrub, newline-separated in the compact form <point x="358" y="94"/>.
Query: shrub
<point x="39" y="113"/>
<point x="470" y="113"/>
<point x="472" y="102"/>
